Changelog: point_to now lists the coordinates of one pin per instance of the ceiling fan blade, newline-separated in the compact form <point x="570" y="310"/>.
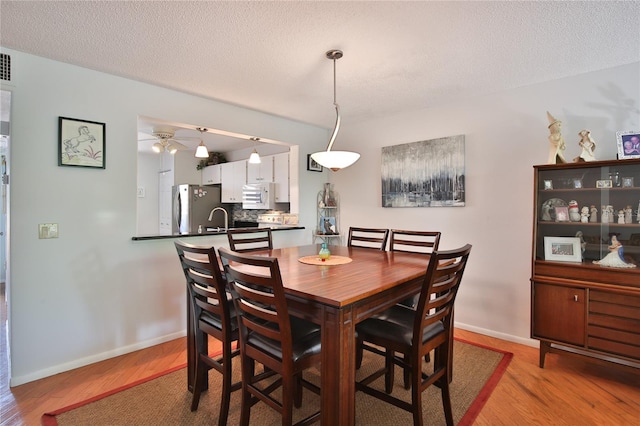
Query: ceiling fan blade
<point x="177" y="144"/>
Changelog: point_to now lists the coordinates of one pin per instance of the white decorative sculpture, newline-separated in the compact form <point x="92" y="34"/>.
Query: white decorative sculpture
<point x="588" y="145"/>
<point x="584" y="214"/>
<point x="593" y="218"/>
<point x="628" y="214"/>
<point x="556" y="141"/>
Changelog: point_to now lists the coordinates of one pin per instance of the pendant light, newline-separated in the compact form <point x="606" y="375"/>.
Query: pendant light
<point x="201" y="150"/>
<point x="254" y="158"/>
<point x="335" y="160"/>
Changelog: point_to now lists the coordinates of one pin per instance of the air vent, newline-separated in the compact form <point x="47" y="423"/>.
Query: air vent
<point x="5" y="67"/>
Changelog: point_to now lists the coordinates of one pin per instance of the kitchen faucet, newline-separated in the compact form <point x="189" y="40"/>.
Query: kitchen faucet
<point x="226" y="217"/>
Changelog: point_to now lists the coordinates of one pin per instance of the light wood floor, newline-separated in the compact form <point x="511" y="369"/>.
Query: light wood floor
<point x="567" y="391"/>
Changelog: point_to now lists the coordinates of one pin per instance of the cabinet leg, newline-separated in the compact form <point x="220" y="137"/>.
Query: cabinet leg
<point x="544" y="348"/>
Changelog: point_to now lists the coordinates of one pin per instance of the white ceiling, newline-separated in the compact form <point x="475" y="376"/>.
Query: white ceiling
<point x="270" y="56"/>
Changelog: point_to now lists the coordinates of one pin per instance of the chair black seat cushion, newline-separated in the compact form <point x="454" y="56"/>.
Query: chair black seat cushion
<point x="214" y="320"/>
<point x="395" y="325"/>
<point x="305" y="338"/>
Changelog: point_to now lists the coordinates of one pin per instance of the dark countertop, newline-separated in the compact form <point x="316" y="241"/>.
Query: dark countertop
<point x="205" y="234"/>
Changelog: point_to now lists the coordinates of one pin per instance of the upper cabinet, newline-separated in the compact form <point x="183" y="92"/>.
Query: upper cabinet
<point x="212" y="174"/>
<point x="261" y="172"/>
<point x="234" y="177"/>
<point x="281" y="177"/>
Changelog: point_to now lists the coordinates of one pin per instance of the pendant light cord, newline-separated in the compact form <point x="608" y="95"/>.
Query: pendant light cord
<point x="335" y="103"/>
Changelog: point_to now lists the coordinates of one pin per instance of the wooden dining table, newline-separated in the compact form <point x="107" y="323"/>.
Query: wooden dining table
<point x="337" y="297"/>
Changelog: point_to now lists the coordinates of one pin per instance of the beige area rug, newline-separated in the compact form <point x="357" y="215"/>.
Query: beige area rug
<point x="164" y="399"/>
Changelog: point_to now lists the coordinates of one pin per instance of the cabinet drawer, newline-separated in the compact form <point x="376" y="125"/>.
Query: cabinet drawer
<point x="614" y="298"/>
<point x="619" y="348"/>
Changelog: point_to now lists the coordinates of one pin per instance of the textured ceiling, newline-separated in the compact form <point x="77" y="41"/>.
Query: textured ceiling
<point x="270" y="56"/>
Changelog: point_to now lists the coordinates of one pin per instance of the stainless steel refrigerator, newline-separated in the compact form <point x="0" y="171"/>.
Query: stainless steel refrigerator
<point x="191" y="207"/>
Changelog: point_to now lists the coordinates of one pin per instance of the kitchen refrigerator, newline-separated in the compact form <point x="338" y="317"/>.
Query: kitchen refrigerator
<point x="191" y="207"/>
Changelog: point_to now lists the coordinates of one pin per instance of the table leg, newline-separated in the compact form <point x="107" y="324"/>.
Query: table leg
<point x="338" y="367"/>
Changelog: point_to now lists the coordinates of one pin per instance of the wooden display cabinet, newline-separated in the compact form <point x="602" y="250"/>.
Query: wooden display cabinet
<point x="578" y="306"/>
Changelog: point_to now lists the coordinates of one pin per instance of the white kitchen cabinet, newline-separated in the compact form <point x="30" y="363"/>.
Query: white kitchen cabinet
<point x="212" y="174"/>
<point x="281" y="176"/>
<point x="261" y="172"/>
<point x="233" y="177"/>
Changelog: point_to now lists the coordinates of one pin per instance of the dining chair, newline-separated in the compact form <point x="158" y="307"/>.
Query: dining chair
<point x="415" y="333"/>
<point x="249" y="239"/>
<point x="284" y="344"/>
<point x="425" y="242"/>
<point x="368" y="238"/>
<point x="213" y="314"/>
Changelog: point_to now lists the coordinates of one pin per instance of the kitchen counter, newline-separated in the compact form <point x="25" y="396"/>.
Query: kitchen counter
<point x="207" y="233"/>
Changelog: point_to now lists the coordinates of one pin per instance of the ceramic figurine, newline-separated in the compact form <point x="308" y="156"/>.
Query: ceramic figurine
<point x="556" y="141"/>
<point x="574" y="211"/>
<point x="620" y="216"/>
<point x="546" y="212"/>
<point x="584" y="214"/>
<point x="588" y="145"/>
<point x="628" y="215"/>
<point x="593" y="218"/>
<point x="605" y="214"/>
<point x="615" y="257"/>
<point x="583" y="243"/>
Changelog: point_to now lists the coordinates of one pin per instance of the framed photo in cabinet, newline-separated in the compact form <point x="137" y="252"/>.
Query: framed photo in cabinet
<point x="563" y="249"/>
<point x="627" y="182"/>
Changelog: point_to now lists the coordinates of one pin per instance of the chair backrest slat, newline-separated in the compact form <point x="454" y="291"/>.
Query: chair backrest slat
<point x="374" y="238"/>
<point x="205" y="283"/>
<point x="414" y="241"/>
<point x="249" y="239"/>
<point x="440" y="287"/>
<point x="259" y="298"/>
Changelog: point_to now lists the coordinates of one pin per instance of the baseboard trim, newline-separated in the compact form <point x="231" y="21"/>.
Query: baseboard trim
<point x="60" y="368"/>
<point x="503" y="336"/>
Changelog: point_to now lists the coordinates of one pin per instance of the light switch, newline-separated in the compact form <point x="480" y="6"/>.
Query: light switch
<point x="141" y="192"/>
<point x="47" y="230"/>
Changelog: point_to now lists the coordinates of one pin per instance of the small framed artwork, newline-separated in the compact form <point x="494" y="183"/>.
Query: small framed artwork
<point x="327" y="226"/>
<point x="312" y="166"/>
<point x="81" y="143"/>
<point x="548" y="184"/>
<point x="563" y="249"/>
<point x="628" y="144"/>
<point x="627" y="182"/>
<point x="562" y="214"/>
<point x="577" y="183"/>
<point x="604" y="183"/>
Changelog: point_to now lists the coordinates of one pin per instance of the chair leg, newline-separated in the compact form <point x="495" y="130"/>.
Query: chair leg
<point x="226" y="385"/>
<point x="416" y="394"/>
<point x="407" y="373"/>
<point x="297" y="395"/>
<point x="359" y="353"/>
<point x="197" y="384"/>
<point x="389" y="365"/>
<point x="289" y="390"/>
<point x="248" y="368"/>
<point x="446" y="400"/>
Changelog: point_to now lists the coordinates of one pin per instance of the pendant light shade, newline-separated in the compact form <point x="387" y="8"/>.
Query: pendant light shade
<point x="335" y="160"/>
<point x="254" y="158"/>
<point x="201" y="150"/>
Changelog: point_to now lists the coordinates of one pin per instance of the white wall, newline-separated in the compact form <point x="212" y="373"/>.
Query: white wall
<point x="94" y="293"/>
<point x="505" y="134"/>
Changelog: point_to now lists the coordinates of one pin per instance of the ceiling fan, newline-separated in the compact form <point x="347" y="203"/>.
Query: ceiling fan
<point x="166" y="141"/>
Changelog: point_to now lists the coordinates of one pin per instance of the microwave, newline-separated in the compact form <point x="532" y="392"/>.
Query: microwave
<point x="259" y="196"/>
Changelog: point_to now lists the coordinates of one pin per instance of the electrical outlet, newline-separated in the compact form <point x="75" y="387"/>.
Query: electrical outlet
<point x="141" y="192"/>
<point x="47" y="230"/>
